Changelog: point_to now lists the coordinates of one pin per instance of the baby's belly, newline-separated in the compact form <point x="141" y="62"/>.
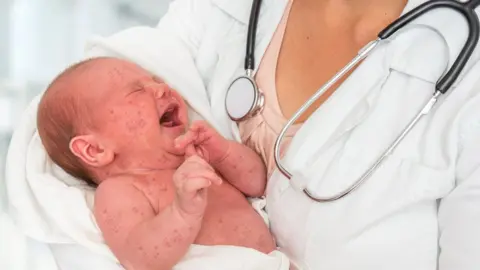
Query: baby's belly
<point x="230" y="220"/>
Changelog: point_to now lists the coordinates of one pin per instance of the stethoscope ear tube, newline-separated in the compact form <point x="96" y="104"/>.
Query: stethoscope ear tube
<point x="467" y="10"/>
<point x="251" y="34"/>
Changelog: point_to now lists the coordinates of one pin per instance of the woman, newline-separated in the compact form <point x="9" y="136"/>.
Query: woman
<point x="420" y="209"/>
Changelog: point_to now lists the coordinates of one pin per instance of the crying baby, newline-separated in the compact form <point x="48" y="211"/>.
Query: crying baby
<point x="162" y="184"/>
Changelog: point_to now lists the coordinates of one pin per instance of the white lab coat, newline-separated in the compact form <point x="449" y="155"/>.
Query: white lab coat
<point x="421" y="209"/>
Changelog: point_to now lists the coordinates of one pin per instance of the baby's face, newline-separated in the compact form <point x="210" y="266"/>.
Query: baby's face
<point x="142" y="115"/>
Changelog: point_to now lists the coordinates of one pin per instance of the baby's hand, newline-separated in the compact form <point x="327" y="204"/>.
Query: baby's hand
<point x="206" y="142"/>
<point x="191" y="181"/>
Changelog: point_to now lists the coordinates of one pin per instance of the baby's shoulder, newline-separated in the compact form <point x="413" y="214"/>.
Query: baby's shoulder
<point x="119" y="190"/>
<point x="155" y="188"/>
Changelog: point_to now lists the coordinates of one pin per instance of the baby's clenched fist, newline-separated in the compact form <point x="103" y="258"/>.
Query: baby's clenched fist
<point x="191" y="181"/>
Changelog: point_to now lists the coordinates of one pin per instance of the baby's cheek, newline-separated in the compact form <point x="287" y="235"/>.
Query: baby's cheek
<point x="135" y="125"/>
<point x="133" y="121"/>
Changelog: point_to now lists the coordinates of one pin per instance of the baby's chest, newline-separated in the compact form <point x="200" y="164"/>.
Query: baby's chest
<point x="159" y="191"/>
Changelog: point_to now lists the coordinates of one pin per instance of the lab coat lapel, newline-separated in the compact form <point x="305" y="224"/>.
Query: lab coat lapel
<point x="450" y="28"/>
<point x="422" y="50"/>
<point x="342" y="112"/>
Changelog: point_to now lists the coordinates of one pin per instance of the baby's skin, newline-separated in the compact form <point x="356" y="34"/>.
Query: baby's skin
<point x="167" y="185"/>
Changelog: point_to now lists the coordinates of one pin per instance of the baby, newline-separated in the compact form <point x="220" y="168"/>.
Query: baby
<point x="113" y="124"/>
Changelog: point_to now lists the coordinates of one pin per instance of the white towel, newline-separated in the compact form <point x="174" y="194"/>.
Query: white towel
<point x="52" y="207"/>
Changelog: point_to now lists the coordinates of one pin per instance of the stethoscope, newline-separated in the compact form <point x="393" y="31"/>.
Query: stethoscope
<point x="244" y="99"/>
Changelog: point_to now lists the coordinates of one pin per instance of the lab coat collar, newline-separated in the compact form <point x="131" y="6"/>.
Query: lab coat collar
<point x="240" y="10"/>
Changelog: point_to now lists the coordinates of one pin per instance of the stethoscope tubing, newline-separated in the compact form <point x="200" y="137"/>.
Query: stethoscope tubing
<point x="466" y="9"/>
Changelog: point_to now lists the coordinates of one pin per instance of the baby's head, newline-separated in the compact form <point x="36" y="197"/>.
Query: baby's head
<point x="106" y="116"/>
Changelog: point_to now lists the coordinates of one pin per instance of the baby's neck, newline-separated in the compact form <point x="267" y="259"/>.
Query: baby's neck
<point x="137" y="167"/>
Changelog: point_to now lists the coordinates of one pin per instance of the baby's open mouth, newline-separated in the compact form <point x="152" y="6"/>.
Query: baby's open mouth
<point x="170" y="117"/>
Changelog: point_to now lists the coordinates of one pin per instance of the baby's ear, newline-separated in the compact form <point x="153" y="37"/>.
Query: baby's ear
<point x="90" y="151"/>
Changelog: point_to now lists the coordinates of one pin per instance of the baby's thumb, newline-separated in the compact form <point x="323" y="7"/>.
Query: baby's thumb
<point x="190" y="150"/>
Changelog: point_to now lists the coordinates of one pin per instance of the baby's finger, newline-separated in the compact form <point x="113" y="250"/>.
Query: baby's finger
<point x="190" y="150"/>
<point x="211" y="175"/>
<point x="215" y="179"/>
<point x="197" y="163"/>
<point x="198" y="126"/>
<point x="202" y="131"/>
<point x="195" y="184"/>
<point x="182" y="141"/>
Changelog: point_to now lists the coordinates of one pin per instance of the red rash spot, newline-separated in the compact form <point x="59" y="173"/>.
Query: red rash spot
<point x="163" y="187"/>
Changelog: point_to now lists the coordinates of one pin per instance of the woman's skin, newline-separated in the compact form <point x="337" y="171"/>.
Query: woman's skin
<point x="321" y="37"/>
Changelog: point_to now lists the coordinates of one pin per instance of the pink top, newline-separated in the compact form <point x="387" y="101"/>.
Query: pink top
<point x="261" y="131"/>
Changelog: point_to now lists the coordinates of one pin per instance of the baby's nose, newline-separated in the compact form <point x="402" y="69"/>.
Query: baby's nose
<point x="162" y="91"/>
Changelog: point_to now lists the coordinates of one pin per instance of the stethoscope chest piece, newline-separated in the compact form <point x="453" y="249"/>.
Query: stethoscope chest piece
<point x="243" y="99"/>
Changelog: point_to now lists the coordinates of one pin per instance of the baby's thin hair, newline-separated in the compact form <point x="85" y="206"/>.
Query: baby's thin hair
<point x="61" y="114"/>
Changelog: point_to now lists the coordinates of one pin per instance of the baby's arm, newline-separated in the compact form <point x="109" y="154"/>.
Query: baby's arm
<point x="143" y="240"/>
<point x="243" y="168"/>
<point x="237" y="163"/>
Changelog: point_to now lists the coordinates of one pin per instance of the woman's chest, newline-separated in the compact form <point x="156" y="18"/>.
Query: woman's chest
<point x="311" y="52"/>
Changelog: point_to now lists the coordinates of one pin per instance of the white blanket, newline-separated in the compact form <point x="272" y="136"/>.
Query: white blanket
<point x="54" y="210"/>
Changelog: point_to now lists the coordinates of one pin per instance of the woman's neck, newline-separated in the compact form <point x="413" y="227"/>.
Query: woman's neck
<point x="366" y="17"/>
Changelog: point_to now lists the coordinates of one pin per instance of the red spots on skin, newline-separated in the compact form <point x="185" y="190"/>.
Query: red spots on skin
<point x="162" y="187"/>
<point x="167" y="243"/>
<point x="163" y="159"/>
<point x="177" y="237"/>
<point x="135" y="125"/>
<point x="141" y="123"/>
<point x="135" y="210"/>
